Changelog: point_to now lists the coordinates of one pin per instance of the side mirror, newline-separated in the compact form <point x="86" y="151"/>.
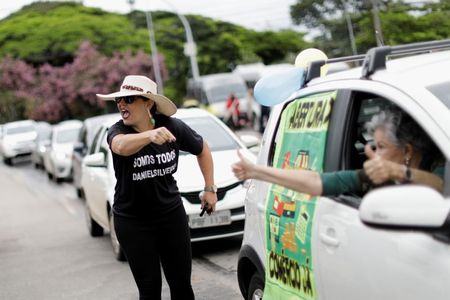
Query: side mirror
<point x="95" y="160"/>
<point x="79" y="147"/>
<point x="405" y="206"/>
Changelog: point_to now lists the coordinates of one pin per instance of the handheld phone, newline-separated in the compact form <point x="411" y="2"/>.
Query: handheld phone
<point x="205" y="208"/>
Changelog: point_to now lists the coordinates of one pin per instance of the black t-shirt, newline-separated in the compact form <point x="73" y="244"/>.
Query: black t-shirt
<point x="145" y="184"/>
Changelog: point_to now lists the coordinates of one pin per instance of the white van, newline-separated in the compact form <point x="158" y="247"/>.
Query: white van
<point x="213" y="90"/>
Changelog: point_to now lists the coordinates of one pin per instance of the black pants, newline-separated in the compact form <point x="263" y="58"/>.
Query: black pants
<point x="160" y="241"/>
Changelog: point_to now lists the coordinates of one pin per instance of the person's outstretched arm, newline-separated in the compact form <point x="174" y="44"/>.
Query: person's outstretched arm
<point x="303" y="181"/>
<point x="381" y="170"/>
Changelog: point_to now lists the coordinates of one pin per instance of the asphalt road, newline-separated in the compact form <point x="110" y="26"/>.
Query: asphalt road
<point x="47" y="253"/>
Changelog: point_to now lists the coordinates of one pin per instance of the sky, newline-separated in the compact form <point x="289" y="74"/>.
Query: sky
<point x="254" y="14"/>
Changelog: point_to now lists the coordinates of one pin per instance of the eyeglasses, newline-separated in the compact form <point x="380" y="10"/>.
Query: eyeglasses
<point x="127" y="99"/>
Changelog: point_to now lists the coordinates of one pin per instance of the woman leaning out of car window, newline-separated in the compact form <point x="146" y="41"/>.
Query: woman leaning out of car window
<point x="403" y="154"/>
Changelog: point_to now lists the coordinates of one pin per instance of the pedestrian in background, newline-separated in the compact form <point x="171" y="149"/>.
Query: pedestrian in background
<point x="232" y="111"/>
<point x="149" y="217"/>
<point x="250" y="101"/>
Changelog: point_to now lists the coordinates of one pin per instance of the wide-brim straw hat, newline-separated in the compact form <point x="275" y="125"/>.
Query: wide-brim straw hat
<point x="135" y="85"/>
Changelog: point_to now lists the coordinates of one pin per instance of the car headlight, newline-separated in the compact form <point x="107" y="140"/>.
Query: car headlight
<point x="42" y="149"/>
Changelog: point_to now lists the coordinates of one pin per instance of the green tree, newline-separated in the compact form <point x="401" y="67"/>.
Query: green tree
<point x="46" y="32"/>
<point x="401" y="22"/>
<point x="49" y="32"/>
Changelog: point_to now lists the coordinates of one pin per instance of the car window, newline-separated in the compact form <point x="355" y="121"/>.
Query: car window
<point x="308" y="116"/>
<point x="82" y="135"/>
<point x="442" y="92"/>
<point x="44" y="133"/>
<point x="95" y="141"/>
<point x="216" y="136"/>
<point x="19" y="129"/>
<point x="67" y="135"/>
<point x="364" y="106"/>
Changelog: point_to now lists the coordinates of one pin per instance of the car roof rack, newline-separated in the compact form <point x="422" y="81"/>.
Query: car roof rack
<point x="375" y="58"/>
<point x="313" y="70"/>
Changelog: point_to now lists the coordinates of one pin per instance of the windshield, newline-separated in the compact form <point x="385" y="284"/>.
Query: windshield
<point x="221" y="93"/>
<point x="20" y="129"/>
<point x="218" y="139"/>
<point x="67" y="136"/>
<point x="44" y="132"/>
<point x="441" y="91"/>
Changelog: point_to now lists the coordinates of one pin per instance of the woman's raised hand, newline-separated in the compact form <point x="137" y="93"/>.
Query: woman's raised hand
<point x="243" y="169"/>
<point x="377" y="169"/>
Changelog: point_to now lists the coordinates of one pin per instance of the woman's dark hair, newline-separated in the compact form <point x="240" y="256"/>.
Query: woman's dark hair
<point x="153" y="109"/>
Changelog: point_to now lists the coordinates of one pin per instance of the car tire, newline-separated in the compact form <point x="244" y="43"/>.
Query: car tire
<point x="117" y="249"/>
<point x="256" y="287"/>
<point x="8" y="161"/>
<point x="49" y="175"/>
<point x="94" y="228"/>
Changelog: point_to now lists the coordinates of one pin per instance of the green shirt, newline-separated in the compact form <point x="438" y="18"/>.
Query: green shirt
<point x="352" y="182"/>
<point x="341" y="182"/>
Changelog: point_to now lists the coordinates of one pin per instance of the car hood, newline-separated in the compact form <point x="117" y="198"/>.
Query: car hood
<point x="65" y="148"/>
<point x="189" y="177"/>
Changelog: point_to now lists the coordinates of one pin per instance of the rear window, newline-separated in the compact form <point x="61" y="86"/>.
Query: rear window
<point x="20" y="129"/>
<point x="67" y="135"/>
<point x="441" y="91"/>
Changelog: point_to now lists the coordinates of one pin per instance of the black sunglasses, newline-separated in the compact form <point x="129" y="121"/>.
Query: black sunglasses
<point x="127" y="99"/>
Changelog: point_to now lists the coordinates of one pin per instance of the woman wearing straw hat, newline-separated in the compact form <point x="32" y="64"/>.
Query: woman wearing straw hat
<point x="149" y="218"/>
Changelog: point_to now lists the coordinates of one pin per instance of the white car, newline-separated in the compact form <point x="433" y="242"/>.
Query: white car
<point x="58" y="156"/>
<point x="394" y="242"/>
<point x="44" y="131"/>
<point x="83" y="144"/>
<point x="98" y="181"/>
<point x="18" y="139"/>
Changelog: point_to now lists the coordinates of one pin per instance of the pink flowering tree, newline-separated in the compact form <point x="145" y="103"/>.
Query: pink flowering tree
<point x="67" y="92"/>
<point x="17" y="80"/>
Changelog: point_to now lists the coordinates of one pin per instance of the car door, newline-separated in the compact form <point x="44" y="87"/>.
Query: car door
<point x="96" y="181"/>
<point x="255" y="205"/>
<point x="299" y="143"/>
<point x="356" y="261"/>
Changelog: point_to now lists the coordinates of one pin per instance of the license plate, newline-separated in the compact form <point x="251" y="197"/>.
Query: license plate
<point x="217" y="218"/>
